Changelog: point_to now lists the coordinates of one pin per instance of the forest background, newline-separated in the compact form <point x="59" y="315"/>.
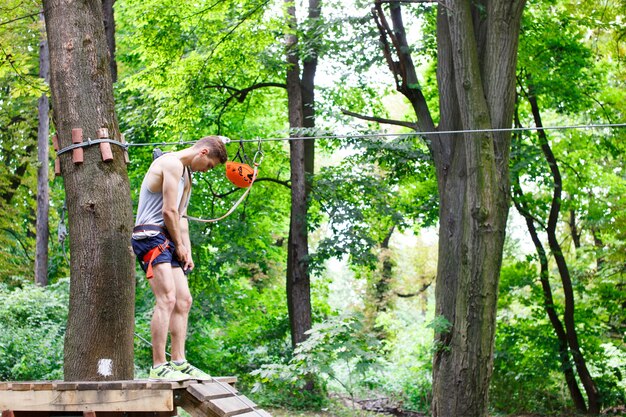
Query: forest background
<point x="185" y="70"/>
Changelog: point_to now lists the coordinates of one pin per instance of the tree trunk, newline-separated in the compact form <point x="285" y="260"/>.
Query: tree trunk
<point x="43" y="193"/>
<point x="99" y="335"/>
<point x="591" y="390"/>
<point x="309" y="67"/>
<point x="109" y="29"/>
<point x="298" y="280"/>
<point x="548" y="300"/>
<point x="476" y="59"/>
<point x="477" y="53"/>
<point x="379" y="283"/>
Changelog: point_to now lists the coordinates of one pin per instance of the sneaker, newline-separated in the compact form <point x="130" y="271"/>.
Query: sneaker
<point x="166" y="373"/>
<point x="191" y="370"/>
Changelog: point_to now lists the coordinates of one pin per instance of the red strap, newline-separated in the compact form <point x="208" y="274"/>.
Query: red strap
<point x="152" y="254"/>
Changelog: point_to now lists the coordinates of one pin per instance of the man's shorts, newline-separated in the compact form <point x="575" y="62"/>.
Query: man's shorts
<point x="145" y="245"/>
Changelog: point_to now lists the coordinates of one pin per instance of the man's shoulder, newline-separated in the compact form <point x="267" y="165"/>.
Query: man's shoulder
<point x="168" y="163"/>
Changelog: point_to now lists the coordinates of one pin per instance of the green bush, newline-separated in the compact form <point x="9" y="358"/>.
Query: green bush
<point x="33" y="321"/>
<point x="338" y="352"/>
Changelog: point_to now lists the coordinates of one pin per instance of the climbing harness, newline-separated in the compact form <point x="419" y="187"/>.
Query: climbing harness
<point x="243" y="177"/>
<point x="155" y="252"/>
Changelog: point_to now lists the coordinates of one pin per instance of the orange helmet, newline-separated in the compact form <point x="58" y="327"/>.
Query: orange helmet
<point x="239" y="174"/>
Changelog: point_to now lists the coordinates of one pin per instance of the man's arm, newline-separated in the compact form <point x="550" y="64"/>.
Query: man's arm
<point x="184" y="230"/>
<point x="172" y="172"/>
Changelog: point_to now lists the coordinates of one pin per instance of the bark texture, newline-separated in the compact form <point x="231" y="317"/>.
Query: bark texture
<point x="109" y="28"/>
<point x="476" y="58"/>
<point x="43" y="191"/>
<point x="477" y="55"/>
<point x="99" y="336"/>
<point x="309" y="68"/>
<point x="298" y="279"/>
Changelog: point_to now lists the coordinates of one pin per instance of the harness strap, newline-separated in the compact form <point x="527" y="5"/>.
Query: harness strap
<point x="152" y="254"/>
<point x="151" y="228"/>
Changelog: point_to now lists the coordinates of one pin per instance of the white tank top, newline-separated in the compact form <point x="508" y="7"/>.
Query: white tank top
<point x="150" y="207"/>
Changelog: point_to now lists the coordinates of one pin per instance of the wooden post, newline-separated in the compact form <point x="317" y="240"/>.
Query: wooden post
<point x="105" y="148"/>
<point x="57" y="162"/>
<point x="77" y="153"/>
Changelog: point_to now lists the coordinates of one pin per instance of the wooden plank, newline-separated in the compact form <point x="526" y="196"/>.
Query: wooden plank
<point x="25" y="386"/>
<point x="193" y="406"/>
<point x="66" y="386"/>
<point x="231" y="380"/>
<point x="256" y="413"/>
<point x="93" y="400"/>
<point x="42" y="386"/>
<point x="204" y="392"/>
<point x="231" y="406"/>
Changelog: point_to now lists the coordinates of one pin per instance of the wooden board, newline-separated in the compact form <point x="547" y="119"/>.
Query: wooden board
<point x="230" y="406"/>
<point x="88" y="400"/>
<point x="256" y="413"/>
<point x="104" y="385"/>
<point x="211" y="390"/>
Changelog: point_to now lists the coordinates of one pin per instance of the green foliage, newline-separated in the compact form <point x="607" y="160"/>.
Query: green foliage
<point x="337" y="351"/>
<point x="527" y="374"/>
<point x="20" y="34"/>
<point x="32" y="320"/>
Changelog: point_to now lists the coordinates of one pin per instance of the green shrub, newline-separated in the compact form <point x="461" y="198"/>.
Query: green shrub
<point x="33" y="321"/>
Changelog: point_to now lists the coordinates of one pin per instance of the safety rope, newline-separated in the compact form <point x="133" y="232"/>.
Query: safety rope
<point x="258" y="158"/>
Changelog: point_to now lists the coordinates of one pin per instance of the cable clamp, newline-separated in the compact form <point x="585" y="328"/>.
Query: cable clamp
<point x="90" y="142"/>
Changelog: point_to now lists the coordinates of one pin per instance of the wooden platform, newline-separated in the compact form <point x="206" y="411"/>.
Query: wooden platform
<point x="138" y="398"/>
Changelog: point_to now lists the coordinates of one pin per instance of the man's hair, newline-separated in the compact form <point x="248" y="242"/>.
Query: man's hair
<point x="215" y="145"/>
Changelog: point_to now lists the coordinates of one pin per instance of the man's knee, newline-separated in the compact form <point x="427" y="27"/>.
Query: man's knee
<point x="184" y="303"/>
<point x="167" y="301"/>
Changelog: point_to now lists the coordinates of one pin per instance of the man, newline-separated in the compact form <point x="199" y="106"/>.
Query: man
<point x="161" y="242"/>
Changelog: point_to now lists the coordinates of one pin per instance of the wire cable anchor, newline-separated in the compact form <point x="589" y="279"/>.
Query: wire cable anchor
<point x="103" y="140"/>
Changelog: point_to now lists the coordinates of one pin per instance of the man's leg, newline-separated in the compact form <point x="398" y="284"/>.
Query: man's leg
<point x="164" y="290"/>
<point x="180" y="314"/>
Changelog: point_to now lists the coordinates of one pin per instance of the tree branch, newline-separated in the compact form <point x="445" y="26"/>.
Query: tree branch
<point x="19" y="18"/>
<point x="418" y="292"/>
<point x="241" y="94"/>
<point x="410" y="125"/>
<point x="17" y="238"/>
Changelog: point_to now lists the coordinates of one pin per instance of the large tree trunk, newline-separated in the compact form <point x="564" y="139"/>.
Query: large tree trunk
<point x="43" y="193"/>
<point x="99" y="336"/>
<point x="476" y="58"/>
<point x="298" y="280"/>
<point x="477" y="53"/>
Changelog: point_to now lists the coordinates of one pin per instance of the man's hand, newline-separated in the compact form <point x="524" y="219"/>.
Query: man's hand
<point x="190" y="265"/>
<point x="183" y="254"/>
